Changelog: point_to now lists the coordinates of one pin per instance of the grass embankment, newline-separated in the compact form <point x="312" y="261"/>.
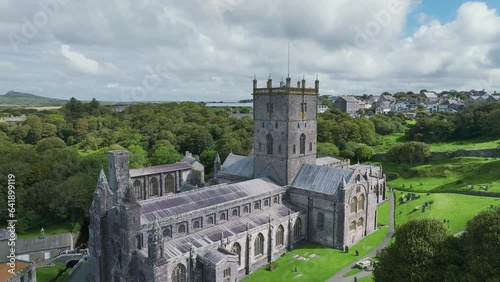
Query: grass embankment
<point x="49" y="230"/>
<point x="46" y="274"/>
<point x="457" y="174"/>
<point x="387" y="141"/>
<point x="383" y="214"/>
<point x="458" y="209"/>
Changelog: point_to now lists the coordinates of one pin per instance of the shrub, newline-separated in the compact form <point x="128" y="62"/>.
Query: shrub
<point x="391" y="175"/>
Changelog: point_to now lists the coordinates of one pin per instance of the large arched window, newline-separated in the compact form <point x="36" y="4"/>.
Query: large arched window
<point x="236" y="249"/>
<point x="138" y="189"/>
<point x="280" y="236"/>
<point x="196" y="224"/>
<point x="361" y="223"/>
<point x="256" y="206"/>
<point x="210" y="220"/>
<point x="321" y="221"/>
<point x="302" y="146"/>
<point x="269" y="140"/>
<point x="222" y="216"/>
<point x="297" y="229"/>
<point x="354" y="205"/>
<point x="361" y="202"/>
<point x="259" y="245"/>
<point x="169" y="184"/>
<point x="153" y="187"/>
<point x="235" y="212"/>
<point x="245" y="209"/>
<point x="179" y="273"/>
<point x="167" y="232"/>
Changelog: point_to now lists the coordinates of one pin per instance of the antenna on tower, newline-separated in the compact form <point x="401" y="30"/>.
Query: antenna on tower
<point x="288" y="75"/>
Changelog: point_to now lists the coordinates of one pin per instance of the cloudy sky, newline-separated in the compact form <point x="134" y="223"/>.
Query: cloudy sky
<point x="209" y="50"/>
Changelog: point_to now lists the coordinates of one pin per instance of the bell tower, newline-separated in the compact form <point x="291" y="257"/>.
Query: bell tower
<point x="284" y="129"/>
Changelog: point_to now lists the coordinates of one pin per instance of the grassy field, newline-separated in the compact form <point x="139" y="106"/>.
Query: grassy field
<point x="458" y="209"/>
<point x="368" y="278"/>
<point x="383" y="214"/>
<point x="329" y="262"/>
<point x="387" y="141"/>
<point x="47" y="274"/>
<point x="352" y="272"/>
<point x="449" y="175"/>
<point x="49" y="230"/>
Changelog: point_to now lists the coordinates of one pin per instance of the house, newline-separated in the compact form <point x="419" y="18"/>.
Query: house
<point x="347" y="104"/>
<point x="24" y="271"/>
<point x="322" y="108"/>
<point x="430" y="97"/>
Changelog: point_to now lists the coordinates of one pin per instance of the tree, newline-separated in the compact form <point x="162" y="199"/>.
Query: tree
<point x="50" y="143"/>
<point x="481" y="245"/>
<point x="363" y="152"/>
<point x="327" y="149"/>
<point x="138" y="156"/>
<point x="409" y="152"/>
<point x="413" y="256"/>
<point x="165" y="155"/>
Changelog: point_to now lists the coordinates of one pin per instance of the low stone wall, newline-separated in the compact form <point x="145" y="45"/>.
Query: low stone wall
<point x="486" y="153"/>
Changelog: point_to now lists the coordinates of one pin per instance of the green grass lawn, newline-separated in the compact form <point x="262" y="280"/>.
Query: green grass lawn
<point x="383" y="214"/>
<point x="352" y="272"/>
<point x="46" y="274"/>
<point x="368" y="278"/>
<point x="449" y="175"/>
<point x="458" y="209"/>
<point x="329" y="262"/>
<point x="465" y="145"/>
<point x="49" y="230"/>
<point x="387" y="141"/>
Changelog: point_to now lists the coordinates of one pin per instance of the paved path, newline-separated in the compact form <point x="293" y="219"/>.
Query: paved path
<point x="338" y="277"/>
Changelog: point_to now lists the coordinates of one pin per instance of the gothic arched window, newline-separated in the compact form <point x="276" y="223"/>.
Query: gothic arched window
<point x="361" y="223"/>
<point x="169" y="184"/>
<point x="269" y="141"/>
<point x="302" y="146"/>
<point x="297" y="229"/>
<point x="280" y="236"/>
<point x="236" y="249"/>
<point x="321" y="221"/>
<point x="179" y="273"/>
<point x="354" y="205"/>
<point x="352" y="226"/>
<point x="256" y="206"/>
<point x="235" y="212"/>
<point x="245" y="209"/>
<point x="153" y="187"/>
<point x="266" y="203"/>
<point x="210" y="220"/>
<point x="167" y="232"/>
<point x="361" y="202"/>
<point x="138" y="189"/>
<point x="259" y="245"/>
<point x="181" y="228"/>
<point x="222" y="216"/>
<point x="196" y="225"/>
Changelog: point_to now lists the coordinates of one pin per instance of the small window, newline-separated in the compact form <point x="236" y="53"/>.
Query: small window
<point x="235" y="212"/>
<point x="181" y="229"/>
<point x="245" y="209"/>
<point x="138" y="242"/>
<point x="305" y="107"/>
<point x="294" y="149"/>
<point x="310" y="146"/>
<point x="256" y="206"/>
<point x="275" y="200"/>
<point x="276" y="125"/>
<point x="222" y="216"/>
<point x="266" y="203"/>
<point x="196" y="224"/>
<point x="46" y="255"/>
<point x="267" y="107"/>
<point x="263" y="125"/>
<point x="167" y="232"/>
<point x="210" y="220"/>
<point x="227" y="272"/>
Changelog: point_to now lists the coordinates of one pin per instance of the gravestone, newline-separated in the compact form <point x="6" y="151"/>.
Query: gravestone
<point x="423" y="208"/>
<point x="357" y="253"/>
<point x="346" y="249"/>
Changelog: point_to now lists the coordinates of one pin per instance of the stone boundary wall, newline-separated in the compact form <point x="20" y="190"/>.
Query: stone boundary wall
<point x="486" y="153"/>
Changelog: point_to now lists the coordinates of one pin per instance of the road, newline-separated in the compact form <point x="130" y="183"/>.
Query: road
<point x="338" y="277"/>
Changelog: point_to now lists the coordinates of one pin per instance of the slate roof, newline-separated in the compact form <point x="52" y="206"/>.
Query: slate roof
<point x="321" y="179"/>
<point x="181" y="203"/>
<point x="214" y="256"/>
<point x="4" y="234"/>
<point x="327" y="160"/>
<point x="238" y="165"/>
<point x="49" y="242"/>
<point x="349" y="99"/>
<point x="159" y="169"/>
<point x="207" y="236"/>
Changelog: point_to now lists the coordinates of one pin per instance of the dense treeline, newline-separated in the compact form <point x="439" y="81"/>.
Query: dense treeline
<point x="424" y="250"/>
<point x="56" y="155"/>
<point x="474" y="121"/>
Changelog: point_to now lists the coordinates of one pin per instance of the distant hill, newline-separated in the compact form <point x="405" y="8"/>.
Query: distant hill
<point x="19" y="98"/>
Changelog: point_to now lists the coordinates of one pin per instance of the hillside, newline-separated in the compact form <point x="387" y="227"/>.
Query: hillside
<point x="19" y="98"/>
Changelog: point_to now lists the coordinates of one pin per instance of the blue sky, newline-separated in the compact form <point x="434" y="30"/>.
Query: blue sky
<point x="442" y="10"/>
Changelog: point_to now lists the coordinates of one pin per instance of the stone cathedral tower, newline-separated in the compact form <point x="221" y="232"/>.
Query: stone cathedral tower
<point x="284" y="129"/>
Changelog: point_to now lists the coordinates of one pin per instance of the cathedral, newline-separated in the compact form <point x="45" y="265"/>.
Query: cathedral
<point x="160" y="224"/>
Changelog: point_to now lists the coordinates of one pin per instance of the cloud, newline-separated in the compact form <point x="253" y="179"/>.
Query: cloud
<point x="79" y="62"/>
<point x="210" y="50"/>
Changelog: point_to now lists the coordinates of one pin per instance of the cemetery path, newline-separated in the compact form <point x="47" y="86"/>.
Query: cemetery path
<point x="338" y="277"/>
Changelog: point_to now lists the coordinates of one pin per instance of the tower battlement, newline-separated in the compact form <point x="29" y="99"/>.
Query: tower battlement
<point x="286" y="88"/>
